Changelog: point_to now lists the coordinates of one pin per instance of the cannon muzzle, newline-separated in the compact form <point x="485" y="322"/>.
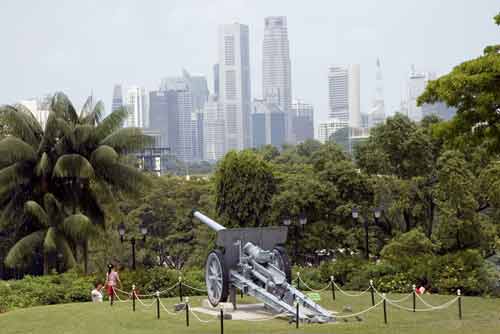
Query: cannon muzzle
<point x="208" y="221"/>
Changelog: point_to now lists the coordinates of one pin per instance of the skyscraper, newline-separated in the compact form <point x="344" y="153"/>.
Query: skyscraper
<point x="235" y="91"/>
<point x="117" y="101"/>
<point x="276" y="69"/>
<point x="377" y="113"/>
<point x="268" y="124"/>
<point x="214" y="140"/>
<point x="163" y="117"/>
<point x="344" y="96"/>
<point x="415" y="87"/>
<point x="216" y="71"/>
<point x="303" y="121"/>
<point x="137" y="107"/>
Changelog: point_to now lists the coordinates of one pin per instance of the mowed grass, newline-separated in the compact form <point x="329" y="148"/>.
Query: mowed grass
<point x="480" y="315"/>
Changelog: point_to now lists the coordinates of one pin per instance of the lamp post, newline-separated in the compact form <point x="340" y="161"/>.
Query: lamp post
<point x="143" y="229"/>
<point x="376" y="215"/>
<point x="287" y="221"/>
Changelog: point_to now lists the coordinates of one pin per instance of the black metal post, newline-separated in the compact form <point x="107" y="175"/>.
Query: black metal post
<point x="332" y="282"/>
<point x="132" y="241"/>
<point x="296" y="244"/>
<point x="367" y="255"/>
<point x="297" y="316"/>
<point x="298" y="281"/>
<point x="459" y="305"/>
<point x="414" y="297"/>
<point x="187" y="314"/>
<point x="157" y="305"/>
<point x="221" y="321"/>
<point x="133" y="298"/>
<point x="372" y="292"/>
<point x="180" y="288"/>
<point x="385" y="311"/>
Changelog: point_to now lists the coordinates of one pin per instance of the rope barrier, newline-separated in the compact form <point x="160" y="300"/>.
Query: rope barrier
<point x="143" y="304"/>
<point x="193" y="288"/>
<point x="169" y="312"/>
<point x="314" y="290"/>
<point x="424" y="302"/>
<point x="359" y="313"/>
<point x="199" y="319"/>
<point x="118" y="297"/>
<point x="440" y="307"/>
<point x="393" y="300"/>
<point x="351" y="294"/>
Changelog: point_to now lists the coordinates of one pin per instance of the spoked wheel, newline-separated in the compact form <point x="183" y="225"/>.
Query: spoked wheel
<point x="282" y="262"/>
<point x="216" y="278"/>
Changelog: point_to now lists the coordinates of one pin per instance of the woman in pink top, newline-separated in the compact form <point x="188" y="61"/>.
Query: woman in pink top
<point x="112" y="280"/>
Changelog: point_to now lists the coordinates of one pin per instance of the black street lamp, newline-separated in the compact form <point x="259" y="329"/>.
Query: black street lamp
<point x="377" y="212"/>
<point x="143" y="229"/>
<point x="302" y="222"/>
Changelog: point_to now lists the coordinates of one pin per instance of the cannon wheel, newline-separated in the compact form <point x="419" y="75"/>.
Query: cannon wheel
<point x="216" y="278"/>
<point x="282" y="262"/>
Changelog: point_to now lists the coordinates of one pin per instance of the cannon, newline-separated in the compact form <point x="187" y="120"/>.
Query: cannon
<point x="254" y="261"/>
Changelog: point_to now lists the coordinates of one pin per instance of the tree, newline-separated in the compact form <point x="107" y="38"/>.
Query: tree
<point x="55" y="233"/>
<point x="244" y="186"/>
<point x="72" y="157"/>
<point x="473" y="88"/>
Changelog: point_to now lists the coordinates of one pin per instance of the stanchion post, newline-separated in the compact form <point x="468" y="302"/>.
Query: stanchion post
<point x="298" y="280"/>
<point x="459" y="293"/>
<point x="221" y="320"/>
<point x="297" y="315"/>
<point x="133" y="297"/>
<point x="187" y="311"/>
<point x="385" y="309"/>
<point x="414" y="296"/>
<point x="180" y="288"/>
<point x="372" y="292"/>
<point x="158" y="304"/>
<point x="332" y="282"/>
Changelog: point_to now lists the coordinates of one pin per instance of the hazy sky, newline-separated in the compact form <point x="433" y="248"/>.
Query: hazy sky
<point x="79" y="46"/>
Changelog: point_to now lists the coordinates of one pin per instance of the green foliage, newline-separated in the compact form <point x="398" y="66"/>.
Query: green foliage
<point x="244" y="185"/>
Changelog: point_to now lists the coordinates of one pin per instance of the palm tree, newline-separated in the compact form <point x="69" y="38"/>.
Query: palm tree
<point x="55" y="233"/>
<point x="72" y="157"/>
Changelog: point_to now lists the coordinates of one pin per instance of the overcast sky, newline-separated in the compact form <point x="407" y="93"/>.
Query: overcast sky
<point x="79" y="46"/>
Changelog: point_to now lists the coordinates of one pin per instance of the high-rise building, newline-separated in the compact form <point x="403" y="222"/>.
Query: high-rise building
<point x="276" y="69"/>
<point x="216" y="73"/>
<point x="377" y="113"/>
<point x="117" y="101"/>
<point x="327" y="129"/>
<point x="303" y="121"/>
<point x="214" y="140"/>
<point x="163" y="117"/>
<point x="39" y="107"/>
<point x="344" y="94"/>
<point x="235" y="90"/>
<point x="199" y="89"/>
<point x="198" y="135"/>
<point x="137" y="107"/>
<point x="415" y="87"/>
<point x="268" y="124"/>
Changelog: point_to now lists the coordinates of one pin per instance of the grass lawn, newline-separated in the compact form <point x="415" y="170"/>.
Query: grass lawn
<point x="480" y="315"/>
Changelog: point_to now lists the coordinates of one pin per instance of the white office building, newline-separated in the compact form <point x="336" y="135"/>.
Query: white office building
<point x="377" y="112"/>
<point x="235" y="91"/>
<point x="138" y="108"/>
<point x="327" y="129"/>
<point x="414" y="88"/>
<point x="214" y="140"/>
<point x="344" y="94"/>
<point x="39" y="107"/>
<point x="276" y="69"/>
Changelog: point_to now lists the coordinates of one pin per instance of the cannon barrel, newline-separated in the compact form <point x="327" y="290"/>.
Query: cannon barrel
<point x="208" y="221"/>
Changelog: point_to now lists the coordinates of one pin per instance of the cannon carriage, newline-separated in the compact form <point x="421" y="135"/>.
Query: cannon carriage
<point x="254" y="261"/>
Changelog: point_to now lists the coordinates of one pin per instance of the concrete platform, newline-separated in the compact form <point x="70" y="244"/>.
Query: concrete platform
<point x="243" y="311"/>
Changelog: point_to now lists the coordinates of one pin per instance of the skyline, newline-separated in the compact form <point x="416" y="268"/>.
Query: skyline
<point x="132" y="44"/>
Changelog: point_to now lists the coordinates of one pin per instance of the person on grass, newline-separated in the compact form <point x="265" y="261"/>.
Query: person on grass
<point x="97" y="293"/>
<point x="112" y="280"/>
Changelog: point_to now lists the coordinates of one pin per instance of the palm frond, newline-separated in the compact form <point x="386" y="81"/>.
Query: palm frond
<point x="13" y="149"/>
<point x="19" y="124"/>
<point x="49" y="242"/>
<point x="89" y="204"/>
<point x="103" y="156"/>
<point x="43" y="166"/>
<point x="53" y="207"/>
<point x="21" y="254"/>
<point x="14" y="176"/>
<point x="64" y="249"/>
<point x="127" y="140"/>
<point x="93" y="117"/>
<point x="63" y="108"/>
<point x="78" y="228"/>
<point x="73" y="166"/>
<point x="31" y="119"/>
<point x="87" y="107"/>
<point x="55" y="129"/>
<point x="124" y="177"/>
<point x="82" y="137"/>
<point x="111" y="123"/>
<point x="35" y="211"/>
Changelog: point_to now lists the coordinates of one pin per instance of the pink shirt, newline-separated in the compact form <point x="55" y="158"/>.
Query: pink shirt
<point x="112" y="278"/>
